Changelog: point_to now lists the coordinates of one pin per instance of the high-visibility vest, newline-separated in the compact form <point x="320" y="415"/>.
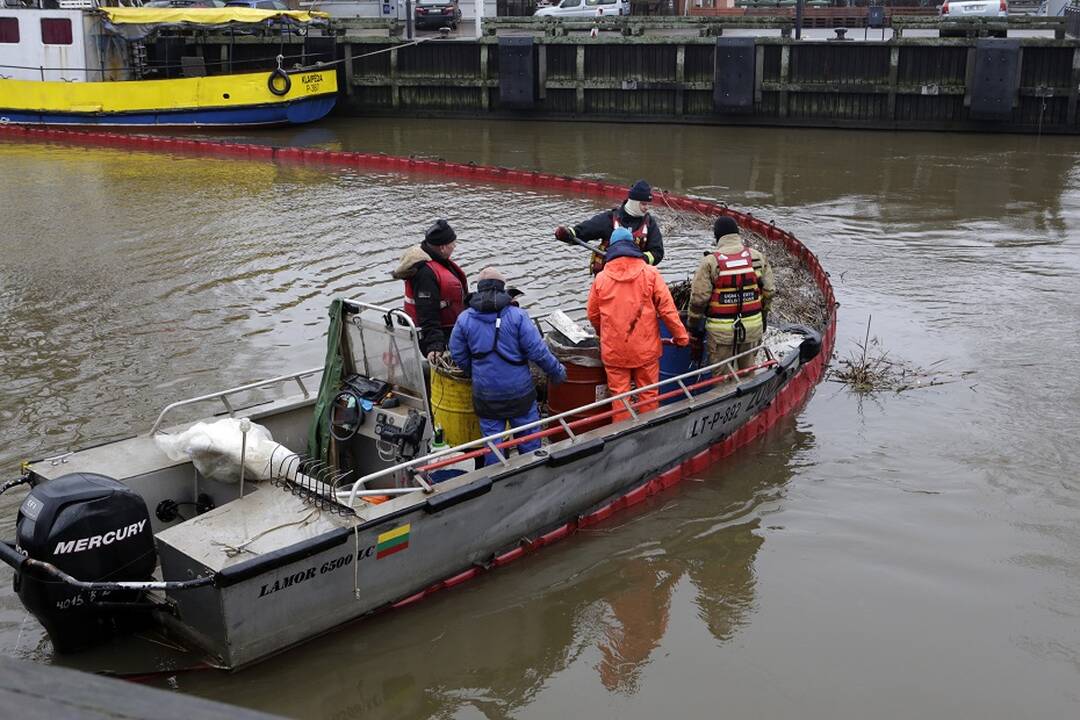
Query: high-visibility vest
<point x="736" y="294"/>
<point x="451" y="293"/>
<point x="641" y="238"/>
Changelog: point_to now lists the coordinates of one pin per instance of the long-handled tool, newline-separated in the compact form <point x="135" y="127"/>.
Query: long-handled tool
<point x="582" y="244"/>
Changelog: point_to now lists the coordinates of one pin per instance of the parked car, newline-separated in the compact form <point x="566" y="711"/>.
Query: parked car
<point x="258" y="4"/>
<point x="185" y="4"/>
<point x="585" y="8"/>
<point x="437" y="13"/>
<point x="973" y="8"/>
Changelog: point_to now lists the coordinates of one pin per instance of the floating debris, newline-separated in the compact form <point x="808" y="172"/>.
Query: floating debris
<point x="869" y="369"/>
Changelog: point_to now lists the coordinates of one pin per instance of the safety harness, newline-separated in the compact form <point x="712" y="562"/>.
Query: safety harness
<point x="495" y="347"/>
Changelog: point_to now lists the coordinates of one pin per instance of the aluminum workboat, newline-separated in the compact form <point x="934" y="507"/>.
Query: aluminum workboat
<point x="347" y="511"/>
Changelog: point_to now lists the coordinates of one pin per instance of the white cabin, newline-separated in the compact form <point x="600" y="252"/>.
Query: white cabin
<point x="68" y="45"/>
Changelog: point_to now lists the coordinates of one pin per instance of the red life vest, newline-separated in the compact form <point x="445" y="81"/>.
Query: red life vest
<point x="641" y="239"/>
<point x="736" y="294"/>
<point x="451" y="293"/>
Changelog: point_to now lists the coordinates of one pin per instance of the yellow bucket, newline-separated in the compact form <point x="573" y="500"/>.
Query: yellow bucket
<point x="452" y="407"/>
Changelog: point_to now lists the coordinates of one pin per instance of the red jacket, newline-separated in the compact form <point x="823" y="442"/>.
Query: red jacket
<point x="626" y="301"/>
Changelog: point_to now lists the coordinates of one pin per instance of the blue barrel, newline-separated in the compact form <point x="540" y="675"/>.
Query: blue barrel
<point x="676" y="361"/>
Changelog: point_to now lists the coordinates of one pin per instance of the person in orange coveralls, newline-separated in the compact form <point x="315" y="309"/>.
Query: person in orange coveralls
<point x="625" y="301"/>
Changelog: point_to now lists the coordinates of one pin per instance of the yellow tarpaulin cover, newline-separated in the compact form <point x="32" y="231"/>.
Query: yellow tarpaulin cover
<point x="202" y="16"/>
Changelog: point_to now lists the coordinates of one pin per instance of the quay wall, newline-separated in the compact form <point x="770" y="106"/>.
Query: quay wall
<point x="1027" y="84"/>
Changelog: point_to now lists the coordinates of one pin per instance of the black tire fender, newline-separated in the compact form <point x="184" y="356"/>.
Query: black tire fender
<point x="271" y="82"/>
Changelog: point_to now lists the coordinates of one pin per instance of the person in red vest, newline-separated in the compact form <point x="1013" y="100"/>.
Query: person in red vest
<point x="435" y="287"/>
<point x="633" y="215"/>
<point x="731" y="290"/>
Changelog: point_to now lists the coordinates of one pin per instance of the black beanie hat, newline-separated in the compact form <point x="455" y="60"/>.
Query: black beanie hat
<point x="440" y="233"/>
<point x="640" y="191"/>
<point x="724" y="225"/>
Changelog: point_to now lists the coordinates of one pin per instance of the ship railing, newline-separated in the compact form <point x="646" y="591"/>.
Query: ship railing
<point x="564" y="423"/>
<point x="224" y="395"/>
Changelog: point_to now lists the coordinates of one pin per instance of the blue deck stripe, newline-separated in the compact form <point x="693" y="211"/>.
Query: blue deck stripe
<point x="296" y="112"/>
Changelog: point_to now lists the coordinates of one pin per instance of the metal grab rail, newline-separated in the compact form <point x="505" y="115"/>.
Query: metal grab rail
<point x="591" y="419"/>
<point x="489" y="442"/>
<point x="208" y="63"/>
<point x="223" y="395"/>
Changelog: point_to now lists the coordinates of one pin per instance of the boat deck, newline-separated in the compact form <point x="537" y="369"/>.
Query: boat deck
<point x="127" y="458"/>
<point x="266" y="519"/>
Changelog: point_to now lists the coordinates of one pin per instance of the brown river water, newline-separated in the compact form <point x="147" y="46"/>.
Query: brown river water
<point x="887" y="556"/>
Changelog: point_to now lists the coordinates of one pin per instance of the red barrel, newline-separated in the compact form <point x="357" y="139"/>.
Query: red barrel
<point x="584" y="385"/>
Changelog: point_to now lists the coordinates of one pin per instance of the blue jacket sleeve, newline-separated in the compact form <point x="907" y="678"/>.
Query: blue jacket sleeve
<point x="534" y="347"/>
<point x="459" y="343"/>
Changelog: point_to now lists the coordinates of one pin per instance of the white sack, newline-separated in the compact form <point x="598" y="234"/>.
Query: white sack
<point x="214" y="449"/>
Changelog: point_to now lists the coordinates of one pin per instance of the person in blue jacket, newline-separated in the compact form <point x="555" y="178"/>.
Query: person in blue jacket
<point x="493" y="341"/>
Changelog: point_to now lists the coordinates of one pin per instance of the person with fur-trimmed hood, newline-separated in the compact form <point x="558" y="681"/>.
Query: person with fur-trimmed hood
<point x="632" y="215"/>
<point x="435" y="287"/>
<point x="493" y="341"/>
<point x="731" y="291"/>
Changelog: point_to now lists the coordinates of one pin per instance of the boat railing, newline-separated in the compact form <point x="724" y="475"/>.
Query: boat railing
<point x="417" y="389"/>
<point x="564" y="422"/>
<point x="298" y="377"/>
<point x="224" y="395"/>
<point x="221" y="64"/>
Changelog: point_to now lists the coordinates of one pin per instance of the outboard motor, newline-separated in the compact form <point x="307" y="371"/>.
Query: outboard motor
<point x="93" y="528"/>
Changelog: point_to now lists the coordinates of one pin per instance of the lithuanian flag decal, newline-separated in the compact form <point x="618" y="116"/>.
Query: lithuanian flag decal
<point x="392" y="541"/>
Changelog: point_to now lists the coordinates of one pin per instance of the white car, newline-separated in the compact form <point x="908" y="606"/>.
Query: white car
<point x="957" y="10"/>
<point x="585" y="8"/>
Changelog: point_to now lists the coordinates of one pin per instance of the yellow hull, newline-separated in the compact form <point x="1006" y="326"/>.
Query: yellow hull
<point x="222" y="91"/>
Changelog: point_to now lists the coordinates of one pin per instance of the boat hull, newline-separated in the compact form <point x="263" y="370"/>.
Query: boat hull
<point x="268" y="603"/>
<point x="221" y="101"/>
<point x="293" y="113"/>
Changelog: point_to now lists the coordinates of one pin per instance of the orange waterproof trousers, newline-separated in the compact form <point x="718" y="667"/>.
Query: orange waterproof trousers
<point x="619" y="379"/>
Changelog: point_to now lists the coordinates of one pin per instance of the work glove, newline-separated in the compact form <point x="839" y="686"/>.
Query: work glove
<point x="559" y="376"/>
<point x="564" y="234"/>
<point x="697" y="344"/>
<point x="434" y="357"/>
<point x="682" y="342"/>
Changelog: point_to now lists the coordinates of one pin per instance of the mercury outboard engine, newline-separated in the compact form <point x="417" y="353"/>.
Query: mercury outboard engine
<point x="93" y="528"/>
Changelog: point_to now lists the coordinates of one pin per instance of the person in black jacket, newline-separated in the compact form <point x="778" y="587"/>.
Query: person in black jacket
<point x="435" y="287"/>
<point x="633" y="215"/>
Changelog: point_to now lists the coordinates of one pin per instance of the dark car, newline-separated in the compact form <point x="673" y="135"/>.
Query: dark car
<point x="185" y="4"/>
<point x="437" y="14"/>
<point x="258" y="4"/>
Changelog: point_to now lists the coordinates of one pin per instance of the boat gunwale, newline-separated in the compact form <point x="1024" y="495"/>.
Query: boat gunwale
<point x="247" y="569"/>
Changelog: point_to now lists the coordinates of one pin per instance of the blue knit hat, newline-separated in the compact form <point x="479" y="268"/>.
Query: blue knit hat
<point x="620" y="235"/>
<point x="641" y="191"/>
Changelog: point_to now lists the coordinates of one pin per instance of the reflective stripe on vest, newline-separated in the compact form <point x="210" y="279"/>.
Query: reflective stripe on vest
<point x="735" y="292"/>
<point x="641" y="239"/>
<point x="451" y="294"/>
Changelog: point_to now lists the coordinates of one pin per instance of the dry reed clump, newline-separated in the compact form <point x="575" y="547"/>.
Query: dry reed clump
<point x="869" y="369"/>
